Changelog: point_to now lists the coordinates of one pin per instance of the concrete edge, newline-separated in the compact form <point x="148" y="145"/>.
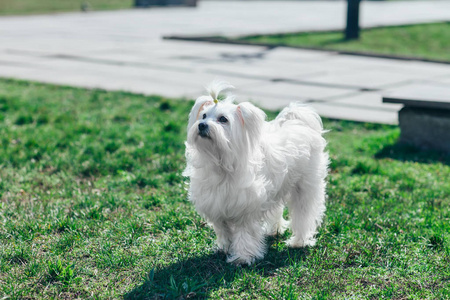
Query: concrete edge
<point x="225" y="40"/>
<point x="417" y="103"/>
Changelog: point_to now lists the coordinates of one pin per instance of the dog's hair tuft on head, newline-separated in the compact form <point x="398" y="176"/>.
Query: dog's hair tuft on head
<point x="216" y="87"/>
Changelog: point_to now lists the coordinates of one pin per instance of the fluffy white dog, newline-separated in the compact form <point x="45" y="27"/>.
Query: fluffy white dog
<point x="244" y="170"/>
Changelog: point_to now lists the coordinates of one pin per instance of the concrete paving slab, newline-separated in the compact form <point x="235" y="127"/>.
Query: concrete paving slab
<point x="113" y="77"/>
<point x="333" y="110"/>
<point x="296" y="92"/>
<point x="436" y="81"/>
<point x="263" y="70"/>
<point x="422" y="69"/>
<point x="15" y="59"/>
<point x="268" y="102"/>
<point x="359" y="114"/>
<point x="169" y="49"/>
<point x="357" y="62"/>
<point x="108" y="83"/>
<point x="293" y="55"/>
<point x="444" y="80"/>
<point x="365" y="100"/>
<point x="365" y="79"/>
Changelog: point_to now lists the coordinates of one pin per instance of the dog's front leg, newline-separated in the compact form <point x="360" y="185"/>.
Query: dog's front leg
<point x="247" y="243"/>
<point x="223" y="234"/>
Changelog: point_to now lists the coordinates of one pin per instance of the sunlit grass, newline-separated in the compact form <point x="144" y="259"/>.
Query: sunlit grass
<point x="93" y="205"/>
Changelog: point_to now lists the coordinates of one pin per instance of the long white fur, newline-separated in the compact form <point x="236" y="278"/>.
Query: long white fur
<point x="245" y="172"/>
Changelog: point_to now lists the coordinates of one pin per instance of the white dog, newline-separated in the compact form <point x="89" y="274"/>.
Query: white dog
<point x="244" y="170"/>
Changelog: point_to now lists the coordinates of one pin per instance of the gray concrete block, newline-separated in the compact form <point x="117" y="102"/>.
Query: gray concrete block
<point x="425" y="128"/>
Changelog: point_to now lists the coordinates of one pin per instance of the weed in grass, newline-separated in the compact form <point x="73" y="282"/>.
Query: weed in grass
<point x="42" y="120"/>
<point x="112" y="147"/>
<point x="366" y="167"/>
<point x="23" y="120"/>
<point x="436" y="242"/>
<point x="164" y="106"/>
<point x="66" y="242"/>
<point x="286" y="293"/>
<point x="187" y="288"/>
<point x="32" y="269"/>
<point x="58" y="273"/>
<point x="21" y="255"/>
<point x="4" y="106"/>
<point x="112" y="257"/>
<point x="151" y="201"/>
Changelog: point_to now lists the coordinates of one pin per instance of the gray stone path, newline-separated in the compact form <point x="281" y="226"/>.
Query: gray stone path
<point x="124" y="50"/>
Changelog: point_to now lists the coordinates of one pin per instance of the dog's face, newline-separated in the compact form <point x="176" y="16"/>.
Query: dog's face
<point x="224" y="131"/>
<point x="215" y="122"/>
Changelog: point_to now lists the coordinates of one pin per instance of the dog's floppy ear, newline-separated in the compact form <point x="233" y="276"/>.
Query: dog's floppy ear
<point x="251" y="119"/>
<point x="200" y="103"/>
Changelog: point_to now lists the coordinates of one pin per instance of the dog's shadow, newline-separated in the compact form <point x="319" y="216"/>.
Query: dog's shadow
<point x="198" y="276"/>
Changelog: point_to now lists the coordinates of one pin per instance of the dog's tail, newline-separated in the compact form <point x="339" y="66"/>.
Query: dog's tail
<point x="302" y="113"/>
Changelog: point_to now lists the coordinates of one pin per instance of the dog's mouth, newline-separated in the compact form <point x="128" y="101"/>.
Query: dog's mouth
<point x="204" y="134"/>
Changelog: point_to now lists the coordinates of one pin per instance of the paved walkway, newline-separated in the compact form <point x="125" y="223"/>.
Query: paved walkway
<point x="124" y="50"/>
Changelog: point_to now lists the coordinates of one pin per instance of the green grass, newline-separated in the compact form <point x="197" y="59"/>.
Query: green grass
<point x="23" y="7"/>
<point x="92" y="205"/>
<point x="429" y="41"/>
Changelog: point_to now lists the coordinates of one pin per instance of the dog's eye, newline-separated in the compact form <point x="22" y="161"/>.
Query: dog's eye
<point x="204" y="116"/>
<point x="222" y="119"/>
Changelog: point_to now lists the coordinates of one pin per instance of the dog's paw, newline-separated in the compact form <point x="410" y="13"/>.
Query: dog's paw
<point x="223" y="246"/>
<point x="241" y="260"/>
<point x="219" y="249"/>
<point x="295" y="242"/>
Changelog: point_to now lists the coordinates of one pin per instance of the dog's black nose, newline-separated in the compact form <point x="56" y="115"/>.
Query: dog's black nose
<point x="202" y="126"/>
<point x="203" y="129"/>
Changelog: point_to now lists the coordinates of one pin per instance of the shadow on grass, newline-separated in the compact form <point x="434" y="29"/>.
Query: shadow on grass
<point x="332" y="42"/>
<point x="280" y="39"/>
<point x="198" y="276"/>
<point x="404" y="152"/>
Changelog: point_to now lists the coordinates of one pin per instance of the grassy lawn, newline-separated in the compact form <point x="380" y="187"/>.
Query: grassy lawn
<point x="92" y="205"/>
<point x="21" y="7"/>
<point x="429" y="41"/>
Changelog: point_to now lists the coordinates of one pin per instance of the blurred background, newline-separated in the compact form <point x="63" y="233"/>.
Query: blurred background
<point x="339" y="56"/>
